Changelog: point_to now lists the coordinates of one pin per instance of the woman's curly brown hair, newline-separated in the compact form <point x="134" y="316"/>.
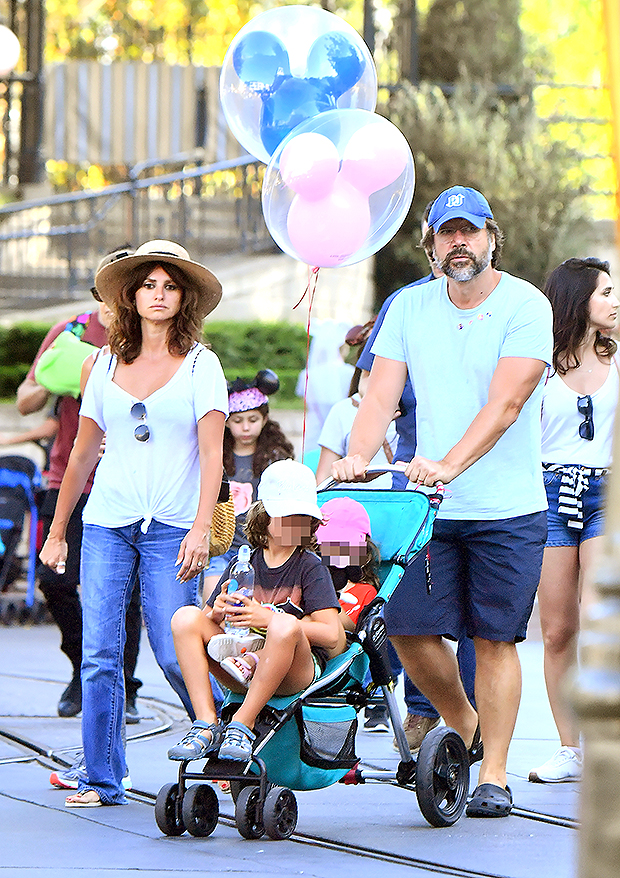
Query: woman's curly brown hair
<point x="257" y="523"/>
<point x="271" y="445"/>
<point x="125" y="333"/>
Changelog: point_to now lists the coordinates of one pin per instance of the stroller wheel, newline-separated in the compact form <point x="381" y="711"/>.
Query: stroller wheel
<point x="166" y="810"/>
<point x="235" y="788"/>
<point x="442" y="777"/>
<point x="280" y="813"/>
<point x="249" y="823"/>
<point x="201" y="810"/>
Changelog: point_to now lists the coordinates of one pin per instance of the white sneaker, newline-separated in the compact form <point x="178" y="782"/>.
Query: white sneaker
<point x="564" y="765"/>
<point x="222" y="646"/>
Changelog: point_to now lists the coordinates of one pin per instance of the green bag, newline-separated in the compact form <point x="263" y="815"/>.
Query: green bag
<point x="60" y="366"/>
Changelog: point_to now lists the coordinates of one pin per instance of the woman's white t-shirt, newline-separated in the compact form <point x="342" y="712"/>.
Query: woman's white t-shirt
<point x="561" y="442"/>
<point x="158" y="479"/>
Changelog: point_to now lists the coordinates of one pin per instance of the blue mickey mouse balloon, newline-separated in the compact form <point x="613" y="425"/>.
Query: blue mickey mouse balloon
<point x="260" y="59"/>
<point x="288" y="65"/>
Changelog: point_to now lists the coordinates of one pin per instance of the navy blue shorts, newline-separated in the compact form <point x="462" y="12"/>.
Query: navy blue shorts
<point x="484" y="576"/>
<point x="593" y="500"/>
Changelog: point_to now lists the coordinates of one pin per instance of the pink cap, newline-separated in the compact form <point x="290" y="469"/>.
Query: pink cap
<point x="344" y="521"/>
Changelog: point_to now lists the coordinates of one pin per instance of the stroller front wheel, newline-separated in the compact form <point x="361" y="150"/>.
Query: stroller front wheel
<point x="442" y="777"/>
<point x="167" y="810"/>
<point x="247" y="813"/>
<point x="201" y="810"/>
<point x="280" y="813"/>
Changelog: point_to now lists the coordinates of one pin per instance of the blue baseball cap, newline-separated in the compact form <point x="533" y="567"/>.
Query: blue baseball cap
<point x="459" y="202"/>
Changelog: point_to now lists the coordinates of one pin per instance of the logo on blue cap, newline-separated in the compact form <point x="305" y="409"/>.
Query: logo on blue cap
<point x="460" y="202"/>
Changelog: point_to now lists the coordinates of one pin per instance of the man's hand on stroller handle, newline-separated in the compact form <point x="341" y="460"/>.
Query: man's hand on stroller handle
<point x="429" y="472"/>
<point x="419" y="470"/>
<point x="54" y="554"/>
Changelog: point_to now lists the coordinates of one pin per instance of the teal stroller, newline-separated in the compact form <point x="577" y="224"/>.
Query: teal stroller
<point x="307" y="741"/>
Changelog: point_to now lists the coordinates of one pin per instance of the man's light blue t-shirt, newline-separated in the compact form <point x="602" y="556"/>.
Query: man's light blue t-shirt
<point x="451" y="355"/>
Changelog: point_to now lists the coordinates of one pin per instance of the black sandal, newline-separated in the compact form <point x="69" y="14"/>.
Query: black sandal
<point x="490" y="800"/>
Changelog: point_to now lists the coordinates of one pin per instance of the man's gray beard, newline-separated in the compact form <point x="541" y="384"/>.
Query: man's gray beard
<point x="467" y="272"/>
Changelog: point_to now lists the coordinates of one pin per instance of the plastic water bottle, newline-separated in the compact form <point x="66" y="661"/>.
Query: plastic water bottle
<point x="242" y="581"/>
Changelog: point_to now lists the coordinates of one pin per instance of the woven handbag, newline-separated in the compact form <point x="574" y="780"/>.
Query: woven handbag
<point x="223" y="522"/>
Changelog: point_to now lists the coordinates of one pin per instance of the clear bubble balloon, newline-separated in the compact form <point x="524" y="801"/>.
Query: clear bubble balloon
<point x="288" y="65"/>
<point x="350" y="214"/>
<point x="309" y="165"/>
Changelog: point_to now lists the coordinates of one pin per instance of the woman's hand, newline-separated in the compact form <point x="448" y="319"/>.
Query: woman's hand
<point x="193" y="554"/>
<point x="54" y="554"/>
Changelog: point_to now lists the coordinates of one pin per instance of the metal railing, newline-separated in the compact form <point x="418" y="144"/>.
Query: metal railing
<point x="50" y="247"/>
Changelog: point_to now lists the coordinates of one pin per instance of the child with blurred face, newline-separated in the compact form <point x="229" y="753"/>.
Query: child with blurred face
<point x="350" y="555"/>
<point x="294" y="604"/>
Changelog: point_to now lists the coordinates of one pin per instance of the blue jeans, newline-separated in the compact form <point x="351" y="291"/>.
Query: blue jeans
<point x="111" y="557"/>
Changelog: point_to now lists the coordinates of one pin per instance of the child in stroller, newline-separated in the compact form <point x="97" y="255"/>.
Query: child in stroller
<point x="294" y="603"/>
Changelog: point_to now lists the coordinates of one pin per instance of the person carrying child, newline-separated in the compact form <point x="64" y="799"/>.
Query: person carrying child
<point x="294" y="603"/>
<point x="252" y="440"/>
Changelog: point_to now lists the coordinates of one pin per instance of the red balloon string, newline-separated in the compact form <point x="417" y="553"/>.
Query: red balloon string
<point x="313" y="278"/>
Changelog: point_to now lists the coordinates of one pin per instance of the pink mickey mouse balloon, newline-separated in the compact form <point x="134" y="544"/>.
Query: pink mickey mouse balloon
<point x="374" y="157"/>
<point x="328" y="230"/>
<point x="333" y="205"/>
<point x="309" y="165"/>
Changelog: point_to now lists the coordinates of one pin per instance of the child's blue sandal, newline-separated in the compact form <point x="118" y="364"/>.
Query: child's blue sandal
<point x="237" y="743"/>
<point x="196" y="744"/>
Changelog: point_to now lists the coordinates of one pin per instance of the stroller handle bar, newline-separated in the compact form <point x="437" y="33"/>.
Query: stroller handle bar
<point x="372" y="473"/>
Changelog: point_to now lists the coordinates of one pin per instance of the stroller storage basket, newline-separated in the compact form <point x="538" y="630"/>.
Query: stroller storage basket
<point x="327" y="735"/>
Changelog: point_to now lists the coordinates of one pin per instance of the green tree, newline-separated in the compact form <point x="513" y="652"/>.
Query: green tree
<point x="482" y="39"/>
<point x="534" y="183"/>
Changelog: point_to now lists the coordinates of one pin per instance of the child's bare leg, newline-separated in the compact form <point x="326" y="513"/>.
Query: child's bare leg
<point x="192" y="630"/>
<point x="285" y="666"/>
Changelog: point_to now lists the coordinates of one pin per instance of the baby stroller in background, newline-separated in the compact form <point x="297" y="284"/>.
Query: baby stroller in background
<point x="20" y="479"/>
<point x="307" y="741"/>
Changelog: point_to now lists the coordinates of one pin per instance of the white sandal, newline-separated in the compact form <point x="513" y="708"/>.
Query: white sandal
<point x="239" y="668"/>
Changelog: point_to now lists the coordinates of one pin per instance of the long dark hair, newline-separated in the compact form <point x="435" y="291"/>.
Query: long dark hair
<point x="569" y="288"/>
<point x="271" y="445"/>
<point x="125" y="333"/>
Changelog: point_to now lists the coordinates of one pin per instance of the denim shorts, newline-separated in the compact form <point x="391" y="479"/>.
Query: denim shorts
<point x="483" y="575"/>
<point x="593" y="500"/>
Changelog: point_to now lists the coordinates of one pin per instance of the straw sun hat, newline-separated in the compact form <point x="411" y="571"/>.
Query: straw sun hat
<point x="111" y="277"/>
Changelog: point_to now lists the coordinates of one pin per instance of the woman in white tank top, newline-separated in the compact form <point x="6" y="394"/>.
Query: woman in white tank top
<point x="579" y="405"/>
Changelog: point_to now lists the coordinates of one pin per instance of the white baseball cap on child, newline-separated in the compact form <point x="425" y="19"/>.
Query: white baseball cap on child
<point x="289" y="488"/>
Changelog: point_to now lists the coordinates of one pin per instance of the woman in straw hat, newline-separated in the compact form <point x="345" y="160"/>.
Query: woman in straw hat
<point x="160" y="398"/>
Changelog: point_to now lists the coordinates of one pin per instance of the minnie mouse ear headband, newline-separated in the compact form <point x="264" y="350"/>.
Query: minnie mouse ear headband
<point x="111" y="278"/>
<point x="243" y="397"/>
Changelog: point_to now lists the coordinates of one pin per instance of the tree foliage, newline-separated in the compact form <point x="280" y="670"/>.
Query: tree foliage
<point x="176" y="31"/>
<point x="533" y="182"/>
<point x="482" y="38"/>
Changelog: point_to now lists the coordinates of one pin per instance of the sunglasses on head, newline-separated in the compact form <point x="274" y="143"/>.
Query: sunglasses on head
<point x="142" y="432"/>
<point x="586" y="427"/>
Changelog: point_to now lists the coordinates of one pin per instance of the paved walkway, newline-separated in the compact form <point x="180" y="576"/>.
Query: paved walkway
<point x="42" y="838"/>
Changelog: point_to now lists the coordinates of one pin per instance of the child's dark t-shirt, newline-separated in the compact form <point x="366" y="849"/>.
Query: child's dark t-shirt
<point x="302" y="581"/>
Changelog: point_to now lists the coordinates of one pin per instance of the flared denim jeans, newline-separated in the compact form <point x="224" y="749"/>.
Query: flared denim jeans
<point x="110" y="559"/>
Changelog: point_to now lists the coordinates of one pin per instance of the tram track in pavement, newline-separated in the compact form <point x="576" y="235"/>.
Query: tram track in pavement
<point x="166" y="711"/>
